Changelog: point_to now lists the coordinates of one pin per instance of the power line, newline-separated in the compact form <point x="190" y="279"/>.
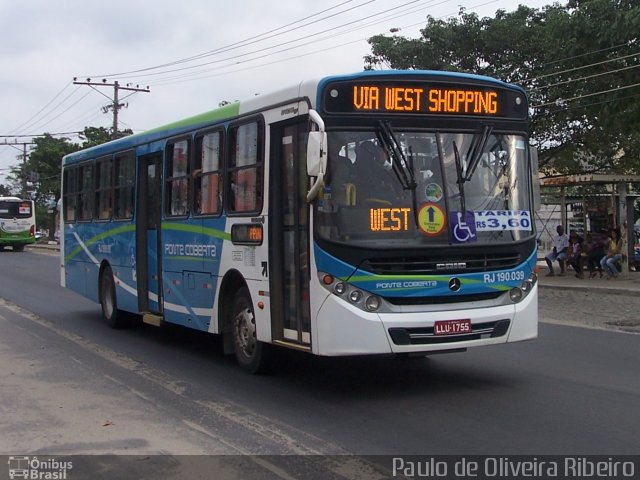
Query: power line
<point x="200" y="75"/>
<point x="35" y="121"/>
<point x="43" y="108"/>
<point x="288" y="42"/>
<point x="237" y="43"/>
<point x="585" y="96"/>
<point x="38" y="135"/>
<point x="626" y="44"/>
<point x="171" y="79"/>
<point x="241" y="43"/>
<point x="292" y="23"/>
<point x="584" y="78"/>
<point x="42" y="121"/>
<point x="581" y="67"/>
<point x="586" y="105"/>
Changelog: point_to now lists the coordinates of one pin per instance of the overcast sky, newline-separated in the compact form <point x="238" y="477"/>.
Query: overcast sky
<point x="255" y="46"/>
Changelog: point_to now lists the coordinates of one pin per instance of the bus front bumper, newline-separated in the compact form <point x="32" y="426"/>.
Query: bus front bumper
<point x="342" y="329"/>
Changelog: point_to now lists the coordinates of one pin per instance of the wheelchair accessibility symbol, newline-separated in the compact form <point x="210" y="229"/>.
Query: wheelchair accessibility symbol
<point x="463" y="227"/>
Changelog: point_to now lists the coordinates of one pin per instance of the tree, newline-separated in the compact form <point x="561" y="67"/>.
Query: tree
<point x="93" y="136"/>
<point x="578" y="62"/>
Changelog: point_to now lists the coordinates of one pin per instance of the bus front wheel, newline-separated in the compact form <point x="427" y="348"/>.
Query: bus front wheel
<point x="250" y="352"/>
<point x="108" y="300"/>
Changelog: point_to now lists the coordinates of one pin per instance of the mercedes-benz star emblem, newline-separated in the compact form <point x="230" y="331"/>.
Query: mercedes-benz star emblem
<point x="454" y="284"/>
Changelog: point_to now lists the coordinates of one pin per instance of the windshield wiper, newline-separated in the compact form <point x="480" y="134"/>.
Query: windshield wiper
<point x="400" y="166"/>
<point x="475" y="152"/>
<point x="461" y="179"/>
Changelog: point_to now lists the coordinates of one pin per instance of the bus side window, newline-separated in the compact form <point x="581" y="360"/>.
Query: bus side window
<point x="177" y="183"/>
<point x="103" y="188"/>
<point x="70" y="193"/>
<point x="85" y="192"/>
<point x="245" y="172"/>
<point x="207" y="175"/>
<point x="124" y="177"/>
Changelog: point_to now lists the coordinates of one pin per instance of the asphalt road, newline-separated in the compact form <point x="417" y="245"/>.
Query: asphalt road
<point x="71" y="385"/>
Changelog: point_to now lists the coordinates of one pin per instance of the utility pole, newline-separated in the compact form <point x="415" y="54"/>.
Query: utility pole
<point x="24" y="162"/>
<point x="116" y="105"/>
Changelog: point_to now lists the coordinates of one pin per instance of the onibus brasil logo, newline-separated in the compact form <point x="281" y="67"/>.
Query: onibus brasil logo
<point x="38" y="469"/>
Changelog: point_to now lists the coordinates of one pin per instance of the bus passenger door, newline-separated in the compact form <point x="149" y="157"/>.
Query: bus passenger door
<point x="148" y="240"/>
<point x="289" y="236"/>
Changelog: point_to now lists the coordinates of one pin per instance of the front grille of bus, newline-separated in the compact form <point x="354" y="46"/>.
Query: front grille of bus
<point x="445" y="265"/>
<point x="425" y="335"/>
<point x="438" y="300"/>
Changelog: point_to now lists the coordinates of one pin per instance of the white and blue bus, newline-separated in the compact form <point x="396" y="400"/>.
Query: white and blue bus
<point x="17" y="223"/>
<point x="386" y="212"/>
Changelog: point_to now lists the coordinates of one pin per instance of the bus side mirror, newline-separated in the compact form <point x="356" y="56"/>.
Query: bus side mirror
<point x="316" y="155"/>
<point x="535" y="177"/>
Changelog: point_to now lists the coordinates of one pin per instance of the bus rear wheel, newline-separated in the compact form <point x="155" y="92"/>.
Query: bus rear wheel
<point x="250" y="352"/>
<point x="108" y="300"/>
<point x="18" y="248"/>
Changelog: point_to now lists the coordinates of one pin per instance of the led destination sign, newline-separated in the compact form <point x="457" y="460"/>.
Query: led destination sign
<point x="435" y="100"/>
<point x="426" y="98"/>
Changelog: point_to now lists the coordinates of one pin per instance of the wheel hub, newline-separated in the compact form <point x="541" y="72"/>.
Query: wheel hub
<point x="246" y="331"/>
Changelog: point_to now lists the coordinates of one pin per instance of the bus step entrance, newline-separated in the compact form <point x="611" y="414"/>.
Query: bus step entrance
<point x="152" y="319"/>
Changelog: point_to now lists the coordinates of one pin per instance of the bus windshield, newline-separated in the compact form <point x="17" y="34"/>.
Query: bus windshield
<point x="425" y="188"/>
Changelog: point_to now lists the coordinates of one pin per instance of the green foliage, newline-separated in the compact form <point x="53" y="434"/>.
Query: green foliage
<point x="93" y="136"/>
<point x="566" y="57"/>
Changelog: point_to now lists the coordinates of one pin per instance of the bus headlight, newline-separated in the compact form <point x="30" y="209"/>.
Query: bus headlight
<point x="517" y="294"/>
<point x="372" y="303"/>
<point x="356" y="296"/>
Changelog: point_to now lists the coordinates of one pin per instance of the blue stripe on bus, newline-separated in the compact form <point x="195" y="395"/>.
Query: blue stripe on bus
<point x="424" y="285"/>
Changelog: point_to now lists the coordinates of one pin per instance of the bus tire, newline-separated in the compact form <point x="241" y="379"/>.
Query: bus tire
<point x="18" y="248"/>
<point x="249" y="351"/>
<point x="108" y="300"/>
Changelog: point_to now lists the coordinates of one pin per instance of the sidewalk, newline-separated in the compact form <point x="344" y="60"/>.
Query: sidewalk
<point x="45" y="246"/>
<point x="626" y="286"/>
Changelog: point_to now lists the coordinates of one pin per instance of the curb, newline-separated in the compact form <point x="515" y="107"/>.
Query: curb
<point x="577" y="288"/>
<point x="53" y="248"/>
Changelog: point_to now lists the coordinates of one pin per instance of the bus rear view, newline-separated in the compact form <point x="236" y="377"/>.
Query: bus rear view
<point x="17" y="223"/>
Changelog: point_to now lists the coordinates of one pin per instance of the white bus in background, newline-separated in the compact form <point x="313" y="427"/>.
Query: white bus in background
<point x="17" y="223"/>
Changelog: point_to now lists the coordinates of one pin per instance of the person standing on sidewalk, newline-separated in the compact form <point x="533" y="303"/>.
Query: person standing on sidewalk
<point x="559" y="252"/>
